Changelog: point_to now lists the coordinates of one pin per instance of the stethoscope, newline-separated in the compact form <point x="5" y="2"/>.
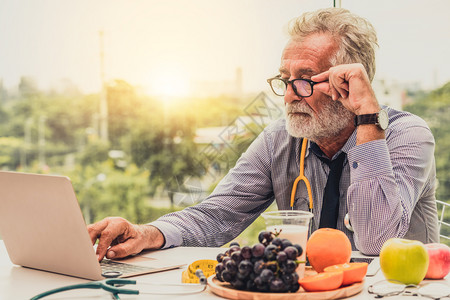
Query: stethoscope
<point x="115" y="286"/>
<point x="302" y="177"/>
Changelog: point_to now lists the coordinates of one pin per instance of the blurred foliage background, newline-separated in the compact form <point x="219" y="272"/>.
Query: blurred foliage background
<point x="149" y="159"/>
<point x="434" y="108"/>
<point x="151" y="156"/>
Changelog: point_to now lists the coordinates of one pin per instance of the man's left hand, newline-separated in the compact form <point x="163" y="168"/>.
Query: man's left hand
<point x="349" y="84"/>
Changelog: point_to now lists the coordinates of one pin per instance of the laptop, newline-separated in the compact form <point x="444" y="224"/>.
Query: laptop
<point x="43" y="228"/>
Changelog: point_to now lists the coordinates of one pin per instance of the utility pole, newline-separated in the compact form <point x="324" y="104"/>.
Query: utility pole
<point x="41" y="132"/>
<point x="27" y="143"/>
<point x="103" y="99"/>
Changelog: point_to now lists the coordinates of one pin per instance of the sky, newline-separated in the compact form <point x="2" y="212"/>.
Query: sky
<point x="165" y="45"/>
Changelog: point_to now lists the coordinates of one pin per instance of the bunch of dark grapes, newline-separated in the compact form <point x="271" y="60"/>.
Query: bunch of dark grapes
<point x="268" y="266"/>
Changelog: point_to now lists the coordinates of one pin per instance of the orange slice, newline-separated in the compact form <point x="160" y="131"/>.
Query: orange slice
<point x="326" y="281"/>
<point x="353" y="272"/>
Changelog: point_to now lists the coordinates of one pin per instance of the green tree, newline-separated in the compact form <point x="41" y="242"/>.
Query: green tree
<point x="103" y="191"/>
<point x="124" y="106"/>
<point x="167" y="150"/>
<point x="28" y="87"/>
<point x="10" y="152"/>
<point x="434" y="108"/>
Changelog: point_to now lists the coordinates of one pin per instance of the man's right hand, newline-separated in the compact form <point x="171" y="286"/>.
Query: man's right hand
<point x="119" y="238"/>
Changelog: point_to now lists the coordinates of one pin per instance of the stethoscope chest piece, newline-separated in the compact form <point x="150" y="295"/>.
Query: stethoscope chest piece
<point x="112" y="274"/>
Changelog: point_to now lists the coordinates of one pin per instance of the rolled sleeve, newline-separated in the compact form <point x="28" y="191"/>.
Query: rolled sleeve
<point x="171" y="233"/>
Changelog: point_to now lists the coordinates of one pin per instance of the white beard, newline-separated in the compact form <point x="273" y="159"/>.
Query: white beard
<point x="331" y="120"/>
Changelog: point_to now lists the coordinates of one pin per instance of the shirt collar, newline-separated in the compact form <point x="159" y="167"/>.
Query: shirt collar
<point x="313" y="147"/>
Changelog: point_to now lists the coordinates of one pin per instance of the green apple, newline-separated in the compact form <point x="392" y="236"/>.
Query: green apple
<point x="404" y="260"/>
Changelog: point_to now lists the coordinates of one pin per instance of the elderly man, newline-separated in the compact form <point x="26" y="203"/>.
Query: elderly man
<point x="368" y="165"/>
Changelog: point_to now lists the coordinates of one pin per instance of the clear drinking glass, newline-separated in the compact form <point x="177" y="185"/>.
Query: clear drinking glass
<point x="292" y="225"/>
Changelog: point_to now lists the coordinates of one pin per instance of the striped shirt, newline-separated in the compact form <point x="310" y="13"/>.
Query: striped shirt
<point x="387" y="187"/>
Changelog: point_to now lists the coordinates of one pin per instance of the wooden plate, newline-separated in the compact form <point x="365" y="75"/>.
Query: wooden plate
<point x="224" y="289"/>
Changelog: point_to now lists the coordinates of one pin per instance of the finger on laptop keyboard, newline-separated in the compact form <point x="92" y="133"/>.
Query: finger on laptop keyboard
<point x="106" y="231"/>
<point x="95" y="230"/>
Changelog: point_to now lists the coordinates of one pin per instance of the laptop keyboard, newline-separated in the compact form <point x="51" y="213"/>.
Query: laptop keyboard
<point x="108" y="265"/>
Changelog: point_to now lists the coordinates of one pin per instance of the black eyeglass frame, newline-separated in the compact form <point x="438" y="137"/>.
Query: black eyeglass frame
<point x="403" y="290"/>
<point x="287" y="82"/>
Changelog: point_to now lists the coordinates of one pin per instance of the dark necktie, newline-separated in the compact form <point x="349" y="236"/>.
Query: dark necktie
<point x="330" y="203"/>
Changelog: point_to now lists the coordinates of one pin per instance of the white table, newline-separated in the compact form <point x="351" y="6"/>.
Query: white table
<point x="22" y="283"/>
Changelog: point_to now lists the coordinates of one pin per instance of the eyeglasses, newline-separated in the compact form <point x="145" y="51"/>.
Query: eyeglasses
<point x="302" y="87"/>
<point x="432" y="290"/>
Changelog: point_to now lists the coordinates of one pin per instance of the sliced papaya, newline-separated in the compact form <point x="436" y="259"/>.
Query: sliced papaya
<point x="326" y="281"/>
<point x="353" y="272"/>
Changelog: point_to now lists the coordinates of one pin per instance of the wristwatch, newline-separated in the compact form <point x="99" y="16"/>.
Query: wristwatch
<point x="380" y="118"/>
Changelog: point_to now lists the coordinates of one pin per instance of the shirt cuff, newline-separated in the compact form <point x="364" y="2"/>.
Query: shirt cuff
<point x="171" y="234"/>
<point x="369" y="160"/>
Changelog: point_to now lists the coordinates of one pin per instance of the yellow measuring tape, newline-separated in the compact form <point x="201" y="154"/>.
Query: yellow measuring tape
<point x="208" y="266"/>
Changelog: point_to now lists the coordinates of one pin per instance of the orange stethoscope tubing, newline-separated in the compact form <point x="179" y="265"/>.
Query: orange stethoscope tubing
<point x="302" y="177"/>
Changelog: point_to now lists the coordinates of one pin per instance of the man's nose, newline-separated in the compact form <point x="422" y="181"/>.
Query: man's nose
<point x="290" y="95"/>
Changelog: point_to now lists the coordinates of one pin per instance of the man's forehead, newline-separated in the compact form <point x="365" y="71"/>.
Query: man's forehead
<point x="300" y="70"/>
<point x="307" y="56"/>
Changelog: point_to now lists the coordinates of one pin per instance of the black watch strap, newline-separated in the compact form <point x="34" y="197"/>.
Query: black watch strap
<point x="381" y="119"/>
<point x="366" y="119"/>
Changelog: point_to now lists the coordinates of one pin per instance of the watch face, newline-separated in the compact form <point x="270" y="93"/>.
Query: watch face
<point x="383" y="119"/>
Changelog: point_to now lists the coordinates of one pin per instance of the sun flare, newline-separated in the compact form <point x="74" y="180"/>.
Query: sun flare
<point x="168" y="82"/>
